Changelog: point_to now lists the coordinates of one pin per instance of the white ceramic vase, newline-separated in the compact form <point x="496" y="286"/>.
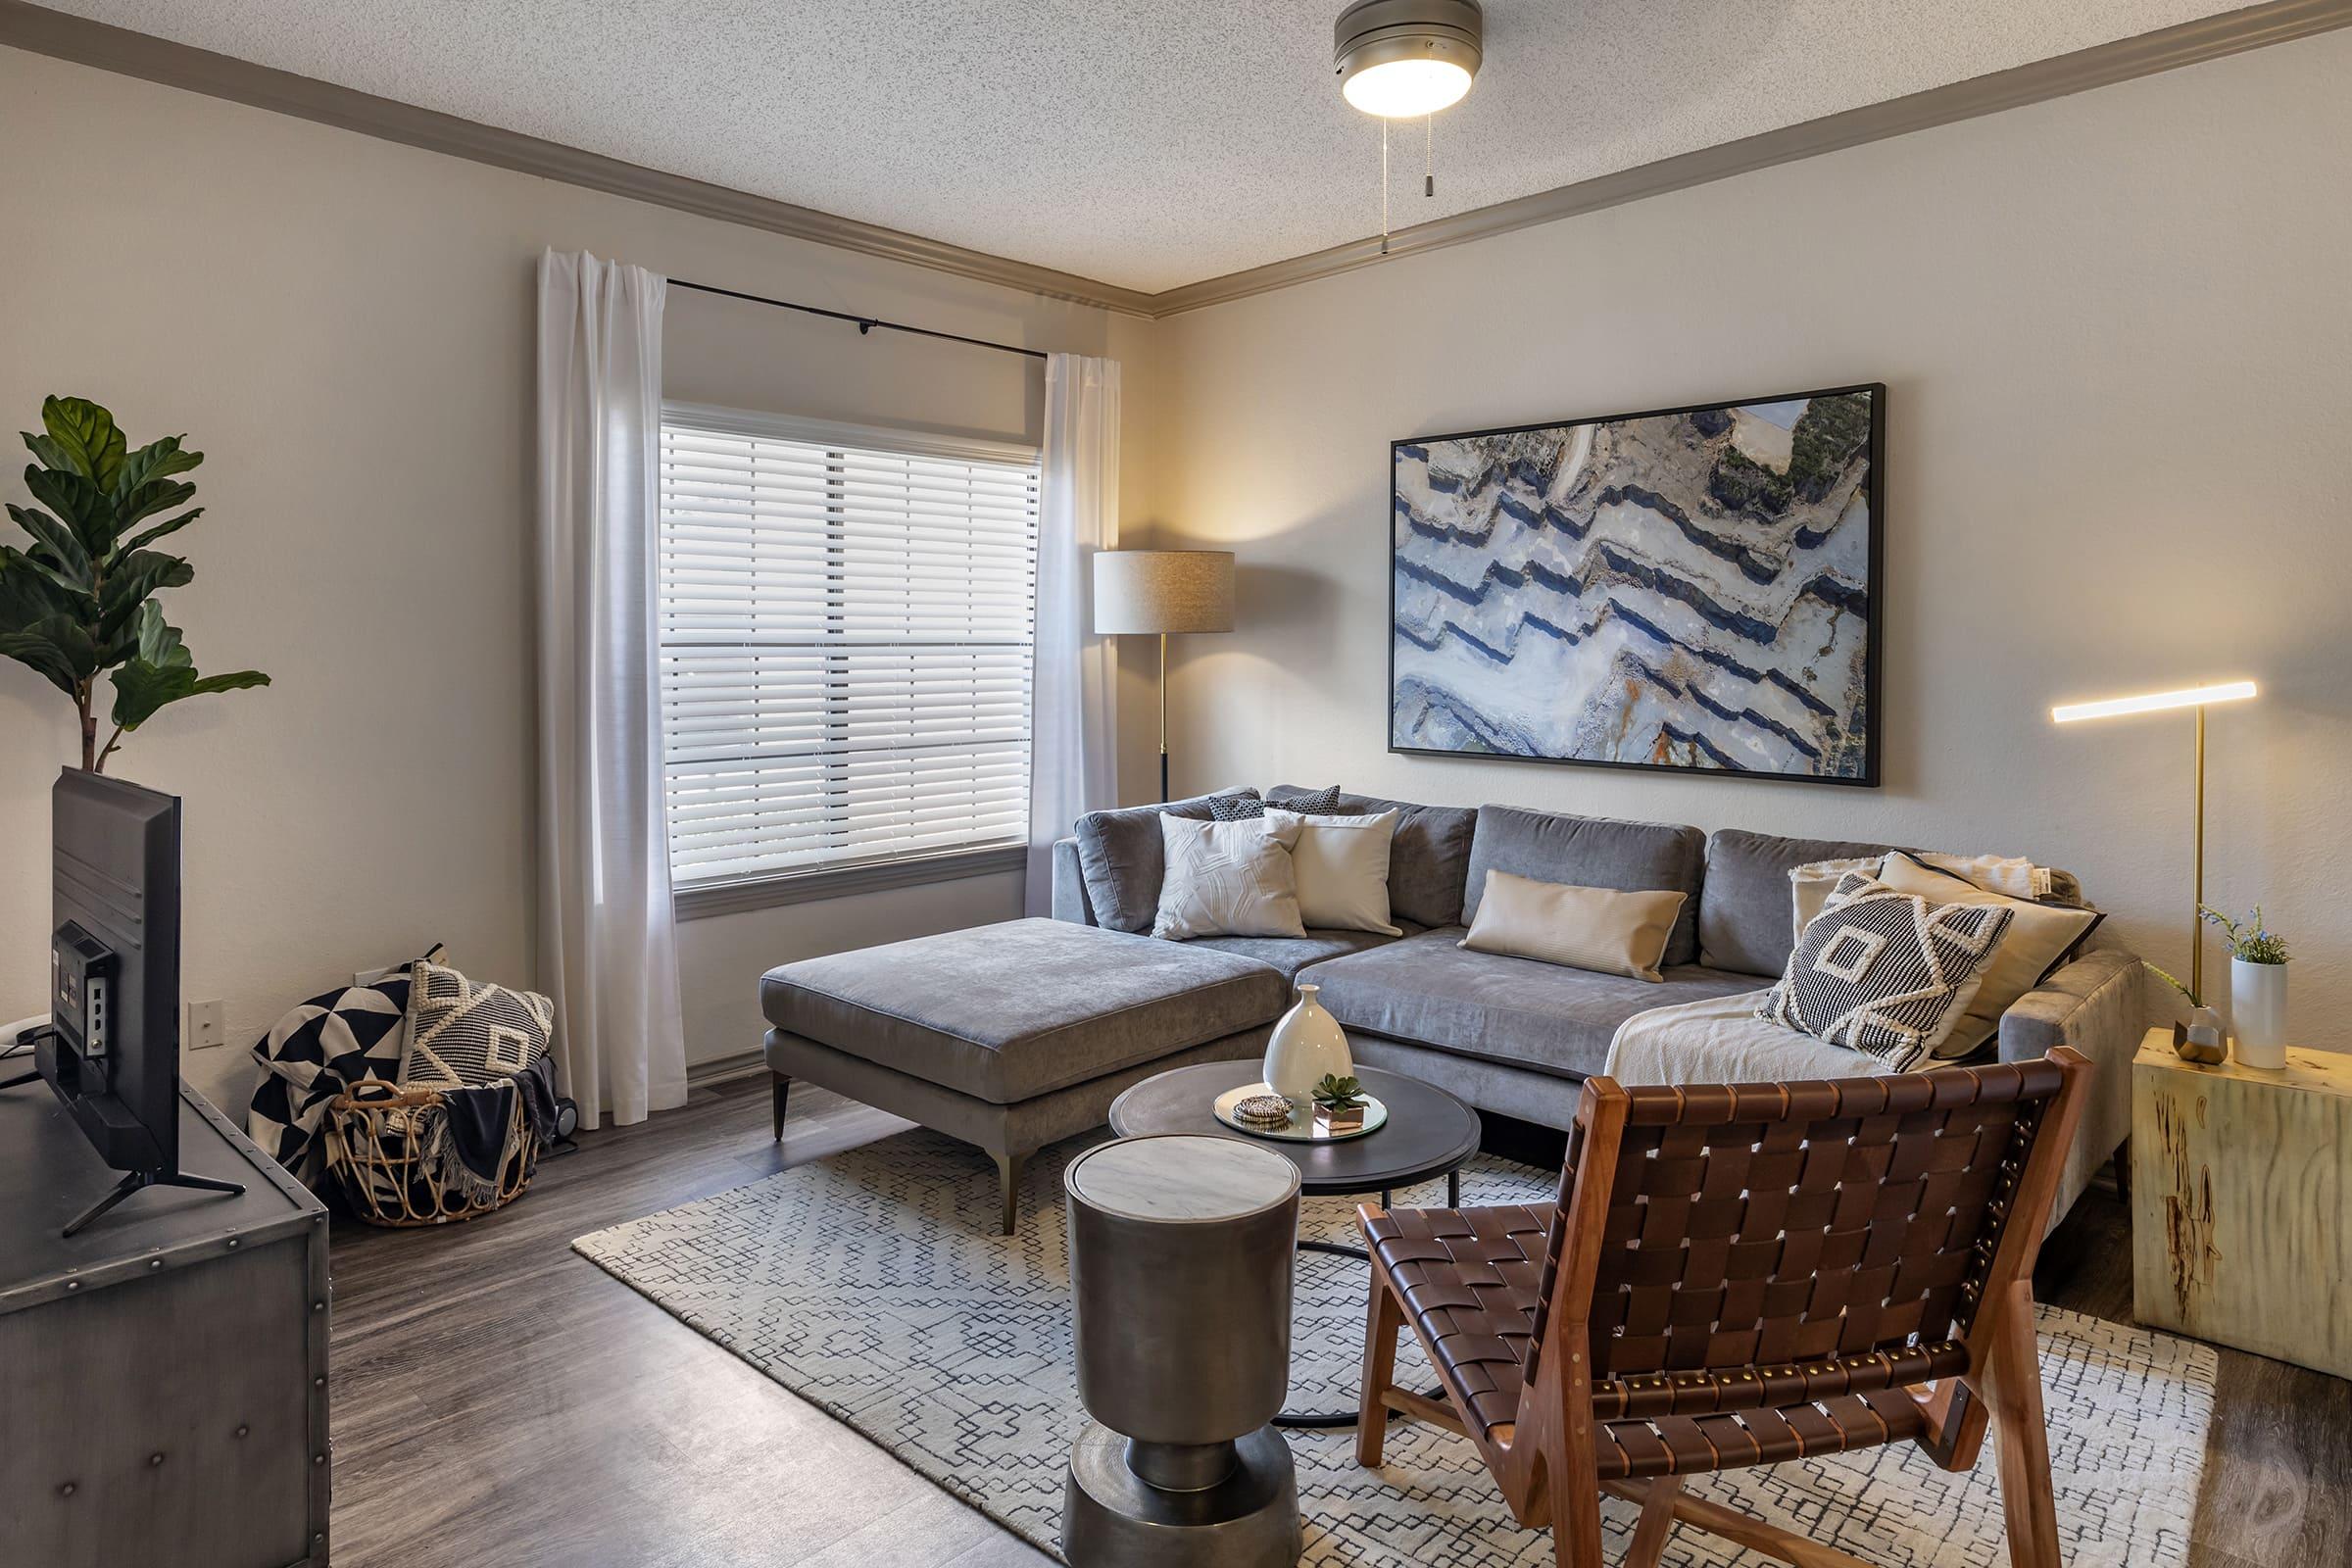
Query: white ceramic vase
<point x="2258" y="1013"/>
<point x="1307" y="1043"/>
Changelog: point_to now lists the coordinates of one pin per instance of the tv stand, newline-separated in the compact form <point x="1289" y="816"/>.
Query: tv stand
<point x="139" y="1181"/>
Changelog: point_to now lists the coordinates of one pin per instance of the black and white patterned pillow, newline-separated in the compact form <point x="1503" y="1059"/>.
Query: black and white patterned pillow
<point x="463" y="1034"/>
<point x="1249" y="808"/>
<point x="317" y="1050"/>
<point x="1887" y="973"/>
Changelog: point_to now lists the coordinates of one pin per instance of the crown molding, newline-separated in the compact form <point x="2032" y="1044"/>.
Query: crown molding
<point x="2186" y="44"/>
<point x="41" y="31"/>
<point x="44" y="31"/>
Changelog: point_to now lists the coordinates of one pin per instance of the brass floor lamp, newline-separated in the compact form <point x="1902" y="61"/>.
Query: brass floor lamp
<point x="1156" y="592"/>
<point x="2198" y="698"/>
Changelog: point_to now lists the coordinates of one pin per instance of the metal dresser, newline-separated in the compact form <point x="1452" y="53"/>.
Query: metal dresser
<point x="1180" y="1271"/>
<point x="163" y="1375"/>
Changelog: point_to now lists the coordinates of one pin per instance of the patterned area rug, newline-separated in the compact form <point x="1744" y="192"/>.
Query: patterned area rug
<point x="873" y="1285"/>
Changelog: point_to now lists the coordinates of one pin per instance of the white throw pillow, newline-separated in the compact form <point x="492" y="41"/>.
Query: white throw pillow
<point x="1343" y="868"/>
<point x="1227" y="879"/>
<point x="1579" y="928"/>
<point x="2039" y="936"/>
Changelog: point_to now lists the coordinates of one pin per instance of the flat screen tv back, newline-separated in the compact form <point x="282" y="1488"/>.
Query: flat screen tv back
<point x="111" y="1052"/>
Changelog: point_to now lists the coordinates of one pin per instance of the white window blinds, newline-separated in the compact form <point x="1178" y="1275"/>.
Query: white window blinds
<point x="846" y="622"/>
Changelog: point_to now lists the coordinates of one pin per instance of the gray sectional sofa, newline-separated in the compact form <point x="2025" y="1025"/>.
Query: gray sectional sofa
<point x="1015" y="1035"/>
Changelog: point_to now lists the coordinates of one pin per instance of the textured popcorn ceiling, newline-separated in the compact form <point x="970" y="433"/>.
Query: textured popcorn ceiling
<point x="1141" y="142"/>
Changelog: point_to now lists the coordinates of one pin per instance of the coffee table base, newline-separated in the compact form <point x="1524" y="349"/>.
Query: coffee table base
<point x="1315" y="1421"/>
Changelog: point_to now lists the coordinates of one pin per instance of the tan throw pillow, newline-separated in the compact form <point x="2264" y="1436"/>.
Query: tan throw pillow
<point x="1227" y="879"/>
<point x="1580" y="928"/>
<point x="2039" y="937"/>
<point x="1343" y="868"/>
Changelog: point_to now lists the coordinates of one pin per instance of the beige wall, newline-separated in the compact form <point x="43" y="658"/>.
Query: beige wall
<point x="2118" y="343"/>
<point x="345" y="327"/>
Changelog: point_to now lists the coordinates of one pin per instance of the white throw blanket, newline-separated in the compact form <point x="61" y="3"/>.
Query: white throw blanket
<point x="1720" y="1039"/>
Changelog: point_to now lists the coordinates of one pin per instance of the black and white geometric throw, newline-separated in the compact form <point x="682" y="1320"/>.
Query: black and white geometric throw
<point x="1249" y="808"/>
<point x="873" y="1285"/>
<point x="315" y="1052"/>
<point x="1885" y="972"/>
<point x="463" y="1034"/>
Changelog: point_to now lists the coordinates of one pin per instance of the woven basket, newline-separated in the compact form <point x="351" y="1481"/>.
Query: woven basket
<point x="376" y="1138"/>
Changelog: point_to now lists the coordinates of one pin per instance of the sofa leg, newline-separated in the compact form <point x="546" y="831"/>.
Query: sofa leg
<point x="1008" y="1189"/>
<point x="778" y="1089"/>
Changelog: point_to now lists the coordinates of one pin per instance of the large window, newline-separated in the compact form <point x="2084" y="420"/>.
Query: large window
<point x="847" y="618"/>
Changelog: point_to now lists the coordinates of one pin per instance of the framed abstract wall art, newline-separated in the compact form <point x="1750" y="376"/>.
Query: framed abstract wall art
<point x="1689" y="589"/>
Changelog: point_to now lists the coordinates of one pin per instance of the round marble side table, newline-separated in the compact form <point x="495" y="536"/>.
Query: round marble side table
<point x="1180" y="1272"/>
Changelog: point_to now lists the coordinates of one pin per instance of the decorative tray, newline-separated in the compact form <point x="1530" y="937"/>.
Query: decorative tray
<point x="1301" y="1128"/>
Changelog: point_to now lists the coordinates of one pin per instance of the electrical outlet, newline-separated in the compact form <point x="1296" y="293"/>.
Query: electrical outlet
<point x="205" y="1030"/>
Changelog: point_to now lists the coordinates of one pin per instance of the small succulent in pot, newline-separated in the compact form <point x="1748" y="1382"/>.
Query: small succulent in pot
<point x="1337" y="1093"/>
<point x="1338" y="1105"/>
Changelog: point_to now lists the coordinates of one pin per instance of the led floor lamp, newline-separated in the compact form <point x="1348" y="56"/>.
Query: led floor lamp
<point x="2198" y="698"/>
<point x="1155" y="592"/>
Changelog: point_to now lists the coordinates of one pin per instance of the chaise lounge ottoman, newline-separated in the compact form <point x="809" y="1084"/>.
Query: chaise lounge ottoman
<point x="1011" y="1036"/>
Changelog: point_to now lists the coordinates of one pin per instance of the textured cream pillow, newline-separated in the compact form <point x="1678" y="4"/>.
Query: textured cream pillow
<point x="1227" y="879"/>
<point x="2040" y="935"/>
<point x="1343" y="868"/>
<point x="1581" y="928"/>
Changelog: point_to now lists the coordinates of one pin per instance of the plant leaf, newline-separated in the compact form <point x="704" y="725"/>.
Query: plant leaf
<point x="56" y="553"/>
<point x="30" y="592"/>
<point x="80" y="505"/>
<point x="143" y="689"/>
<point x="158" y="495"/>
<point x="57" y="647"/>
<point x="157" y="459"/>
<point x="133" y="577"/>
<point x="85" y="432"/>
<point x="140" y="541"/>
<point x="159" y="642"/>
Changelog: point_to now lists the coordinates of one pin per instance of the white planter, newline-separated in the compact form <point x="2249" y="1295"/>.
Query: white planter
<point x="2258" y="1013"/>
<point x="1307" y="1044"/>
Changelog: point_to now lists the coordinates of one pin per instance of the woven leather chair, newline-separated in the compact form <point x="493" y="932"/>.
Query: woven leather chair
<point x="1736" y="1276"/>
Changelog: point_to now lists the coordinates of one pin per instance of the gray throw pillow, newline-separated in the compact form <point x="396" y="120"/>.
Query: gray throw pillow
<point x="1119" y="856"/>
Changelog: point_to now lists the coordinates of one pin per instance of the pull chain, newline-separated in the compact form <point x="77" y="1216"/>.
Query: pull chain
<point x="1428" y="161"/>
<point x="1384" y="187"/>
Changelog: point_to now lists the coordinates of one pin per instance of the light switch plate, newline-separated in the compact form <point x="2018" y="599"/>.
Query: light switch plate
<point x="206" y="1031"/>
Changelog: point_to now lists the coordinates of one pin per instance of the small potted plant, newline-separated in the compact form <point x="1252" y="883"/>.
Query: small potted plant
<point x="2258" y="959"/>
<point x="1338" y="1105"/>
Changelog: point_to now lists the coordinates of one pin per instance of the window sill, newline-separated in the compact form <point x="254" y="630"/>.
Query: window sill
<point x="706" y="899"/>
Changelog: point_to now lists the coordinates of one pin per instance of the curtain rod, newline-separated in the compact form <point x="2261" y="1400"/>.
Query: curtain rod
<point x="863" y="324"/>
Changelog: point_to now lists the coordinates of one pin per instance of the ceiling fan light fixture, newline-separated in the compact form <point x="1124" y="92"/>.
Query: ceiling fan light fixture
<point x="1403" y="59"/>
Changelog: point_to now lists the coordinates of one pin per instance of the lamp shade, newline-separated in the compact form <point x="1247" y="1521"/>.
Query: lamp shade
<point x="1162" y="591"/>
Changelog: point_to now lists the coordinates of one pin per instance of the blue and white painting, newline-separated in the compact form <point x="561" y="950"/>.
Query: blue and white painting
<point x="1686" y="590"/>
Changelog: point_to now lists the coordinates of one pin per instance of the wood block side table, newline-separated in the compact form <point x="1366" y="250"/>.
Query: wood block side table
<point x="2242" y="1202"/>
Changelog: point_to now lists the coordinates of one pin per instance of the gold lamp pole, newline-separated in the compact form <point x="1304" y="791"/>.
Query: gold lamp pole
<point x="1155" y="592"/>
<point x="2198" y="698"/>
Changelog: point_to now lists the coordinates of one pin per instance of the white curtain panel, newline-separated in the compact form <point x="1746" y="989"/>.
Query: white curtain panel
<point x="1073" y="717"/>
<point x="608" y="949"/>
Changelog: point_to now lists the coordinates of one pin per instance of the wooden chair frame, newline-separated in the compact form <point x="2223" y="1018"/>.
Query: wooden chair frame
<point x="1545" y="1461"/>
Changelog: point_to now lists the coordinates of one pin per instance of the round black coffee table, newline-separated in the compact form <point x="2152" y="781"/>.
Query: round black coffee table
<point x="1428" y="1134"/>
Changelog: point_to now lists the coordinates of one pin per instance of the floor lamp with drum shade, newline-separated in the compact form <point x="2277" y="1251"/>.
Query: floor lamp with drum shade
<point x="1160" y="592"/>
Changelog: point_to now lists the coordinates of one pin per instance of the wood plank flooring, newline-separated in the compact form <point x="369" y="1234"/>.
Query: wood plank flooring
<point x="498" y="1399"/>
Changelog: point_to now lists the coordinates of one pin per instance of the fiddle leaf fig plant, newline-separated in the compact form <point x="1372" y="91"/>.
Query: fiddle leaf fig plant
<point x="80" y="602"/>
